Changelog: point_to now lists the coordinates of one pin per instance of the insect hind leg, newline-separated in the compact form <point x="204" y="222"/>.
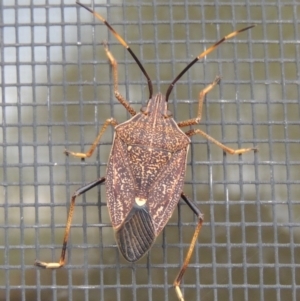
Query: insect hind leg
<point x="78" y="192"/>
<point x="188" y="256"/>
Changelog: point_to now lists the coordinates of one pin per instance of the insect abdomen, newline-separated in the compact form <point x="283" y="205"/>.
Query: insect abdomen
<point x="136" y="235"/>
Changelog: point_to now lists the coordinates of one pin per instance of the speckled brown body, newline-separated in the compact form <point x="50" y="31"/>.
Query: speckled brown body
<point x="145" y="175"/>
<point x="146" y="168"/>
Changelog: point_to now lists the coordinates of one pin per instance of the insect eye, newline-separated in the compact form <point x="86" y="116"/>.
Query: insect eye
<point x="144" y="111"/>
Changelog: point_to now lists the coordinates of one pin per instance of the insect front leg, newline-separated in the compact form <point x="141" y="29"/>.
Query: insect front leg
<point x="196" y="120"/>
<point x="191" y="248"/>
<point x="119" y="97"/>
<point x="108" y="122"/>
<point x="78" y="192"/>
<point x="202" y="95"/>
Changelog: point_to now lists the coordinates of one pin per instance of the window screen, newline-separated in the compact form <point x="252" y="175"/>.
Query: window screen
<point x="56" y="93"/>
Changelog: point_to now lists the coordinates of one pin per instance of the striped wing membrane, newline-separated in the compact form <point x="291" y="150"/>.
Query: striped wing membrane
<point x="136" y="235"/>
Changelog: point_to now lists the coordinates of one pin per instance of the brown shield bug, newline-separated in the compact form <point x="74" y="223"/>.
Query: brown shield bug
<point x="146" y="167"/>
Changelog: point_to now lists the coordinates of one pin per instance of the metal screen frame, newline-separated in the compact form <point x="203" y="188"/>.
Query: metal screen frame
<point x="56" y="91"/>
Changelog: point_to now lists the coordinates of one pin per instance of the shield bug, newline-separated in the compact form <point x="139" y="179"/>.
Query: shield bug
<point x="146" y="167"/>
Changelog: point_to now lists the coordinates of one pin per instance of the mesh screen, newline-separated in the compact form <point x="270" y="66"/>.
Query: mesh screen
<point x="56" y="93"/>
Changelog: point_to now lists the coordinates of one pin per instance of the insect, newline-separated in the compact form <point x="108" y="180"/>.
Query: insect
<point x="146" y="168"/>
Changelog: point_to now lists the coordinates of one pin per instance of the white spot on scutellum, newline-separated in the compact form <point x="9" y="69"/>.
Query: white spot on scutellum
<point x="140" y="201"/>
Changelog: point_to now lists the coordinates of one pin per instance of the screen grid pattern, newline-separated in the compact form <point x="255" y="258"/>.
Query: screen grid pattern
<point x="56" y="92"/>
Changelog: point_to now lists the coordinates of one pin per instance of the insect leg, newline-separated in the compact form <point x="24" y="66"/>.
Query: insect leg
<point x="78" y="192"/>
<point x="224" y="147"/>
<point x="202" y="95"/>
<point x="119" y="97"/>
<point x="108" y="122"/>
<point x="191" y="248"/>
<point x="124" y="44"/>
